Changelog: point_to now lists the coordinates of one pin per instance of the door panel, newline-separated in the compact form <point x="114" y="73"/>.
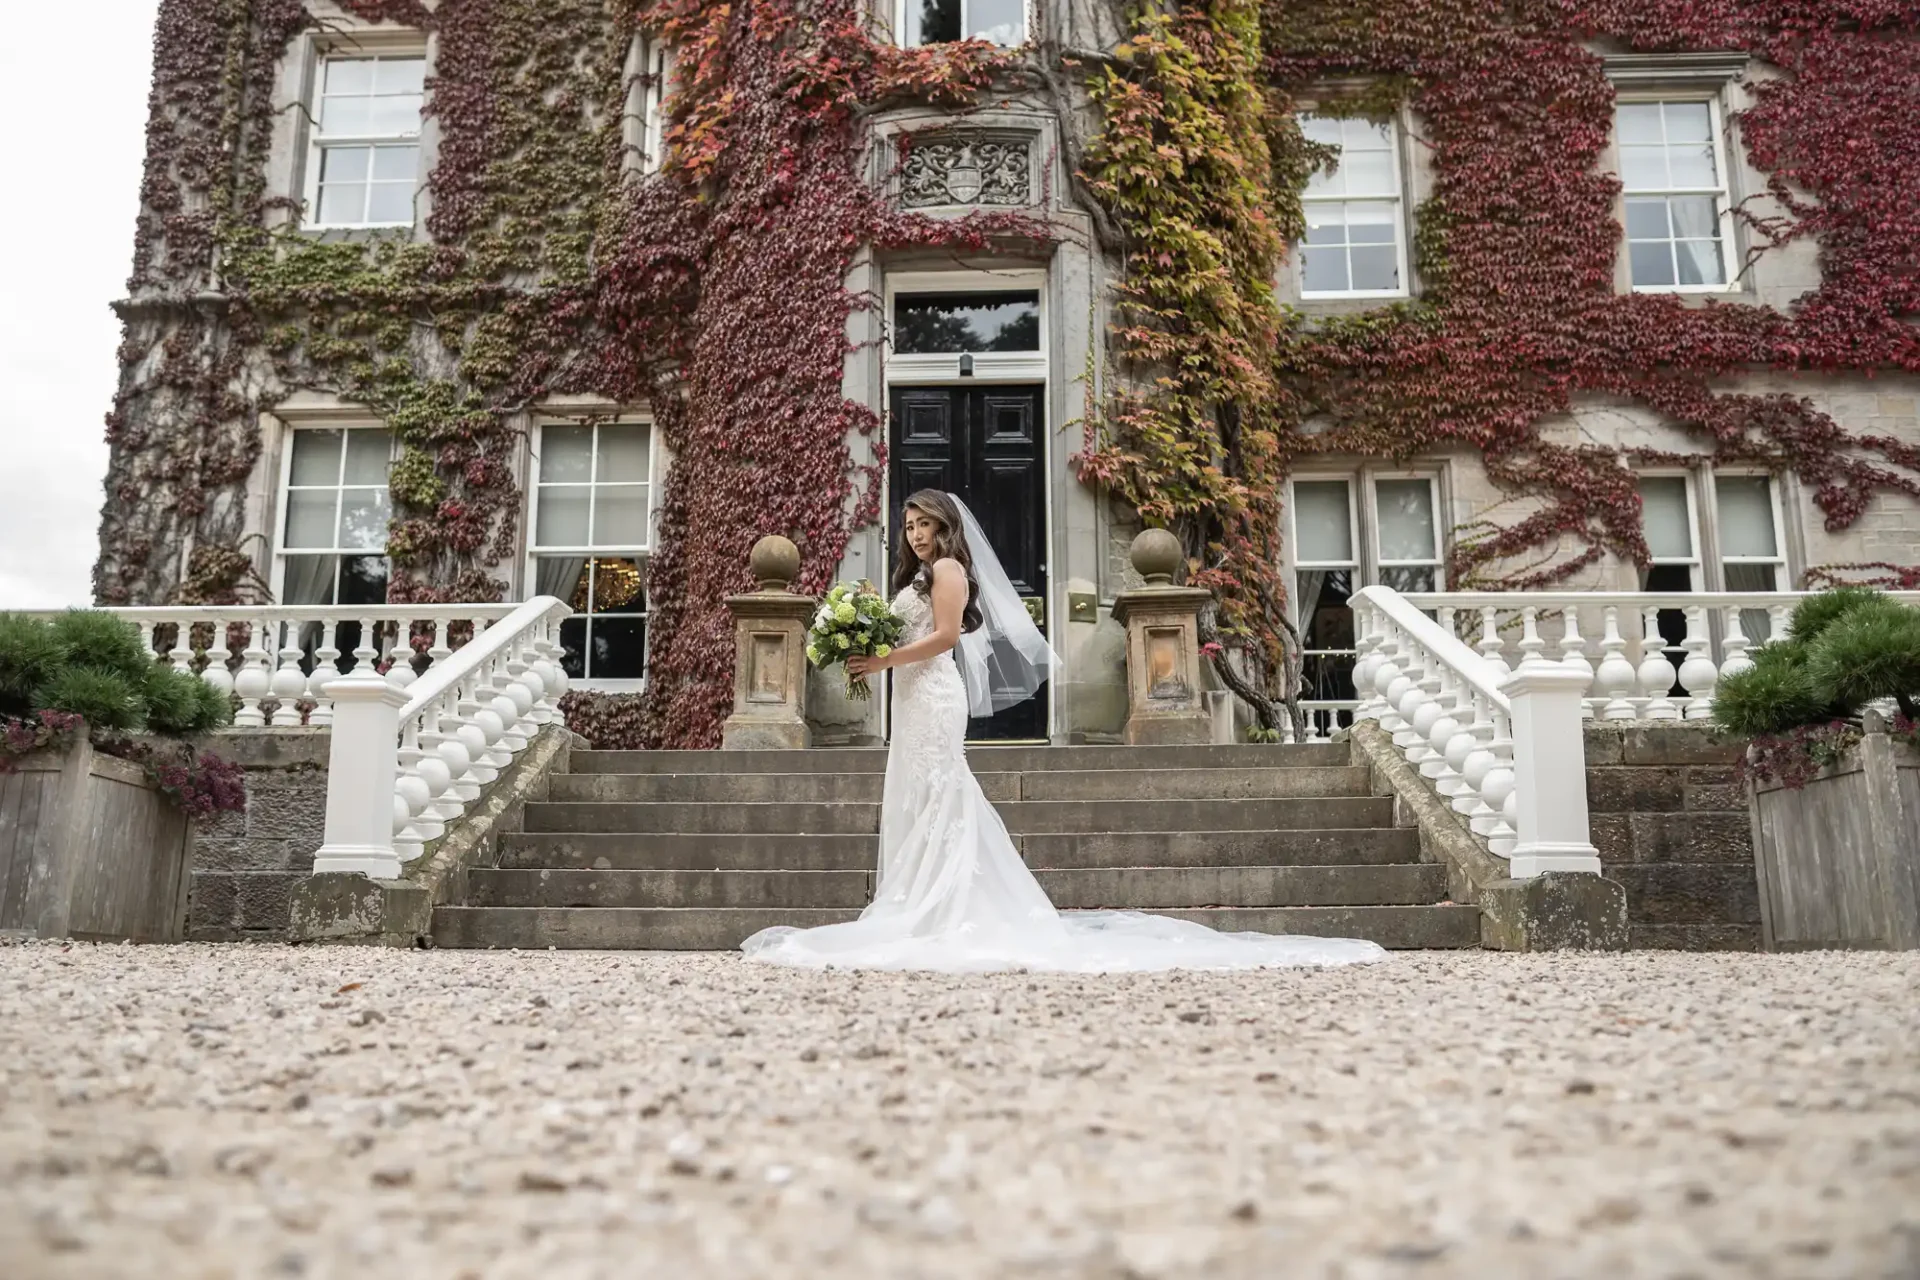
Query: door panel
<point x="984" y="444"/>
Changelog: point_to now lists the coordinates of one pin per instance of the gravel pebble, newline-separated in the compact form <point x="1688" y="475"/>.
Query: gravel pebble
<point x="258" y="1110"/>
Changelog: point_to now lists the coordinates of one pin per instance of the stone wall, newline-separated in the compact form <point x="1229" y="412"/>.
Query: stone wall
<point x="1669" y="815"/>
<point x="246" y="864"/>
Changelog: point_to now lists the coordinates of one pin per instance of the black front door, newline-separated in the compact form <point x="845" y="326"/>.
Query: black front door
<point x="985" y="444"/>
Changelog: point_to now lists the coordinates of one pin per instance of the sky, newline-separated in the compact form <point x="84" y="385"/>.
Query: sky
<point x="70" y="160"/>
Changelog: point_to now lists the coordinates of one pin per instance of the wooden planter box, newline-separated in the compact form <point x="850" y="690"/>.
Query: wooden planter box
<point x="90" y="849"/>
<point x="1839" y="860"/>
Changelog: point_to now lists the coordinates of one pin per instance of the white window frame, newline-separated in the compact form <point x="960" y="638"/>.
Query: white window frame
<point x="284" y="504"/>
<point x="1438" y="563"/>
<point x="1401" y="231"/>
<point x="900" y="23"/>
<point x="650" y="70"/>
<point x="641" y="553"/>
<point x="1696" y="563"/>
<point x="1358" y="561"/>
<point x="1722" y="195"/>
<point x="317" y="144"/>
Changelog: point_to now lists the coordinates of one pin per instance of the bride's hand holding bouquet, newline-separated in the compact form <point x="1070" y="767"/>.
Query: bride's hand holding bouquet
<point x="855" y="626"/>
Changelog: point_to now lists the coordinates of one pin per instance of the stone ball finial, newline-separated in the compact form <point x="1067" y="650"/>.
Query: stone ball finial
<point x="775" y="563"/>
<point x="1157" y="556"/>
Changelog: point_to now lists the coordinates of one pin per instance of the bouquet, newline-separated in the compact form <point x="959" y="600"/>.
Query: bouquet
<point x="855" y="620"/>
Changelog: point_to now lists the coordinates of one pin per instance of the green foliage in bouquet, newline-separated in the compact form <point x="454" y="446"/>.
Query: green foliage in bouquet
<point x="853" y="621"/>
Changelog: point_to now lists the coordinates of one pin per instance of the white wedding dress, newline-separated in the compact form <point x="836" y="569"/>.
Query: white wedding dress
<point x="954" y="896"/>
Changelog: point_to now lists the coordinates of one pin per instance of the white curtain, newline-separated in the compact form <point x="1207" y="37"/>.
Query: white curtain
<point x="557" y="576"/>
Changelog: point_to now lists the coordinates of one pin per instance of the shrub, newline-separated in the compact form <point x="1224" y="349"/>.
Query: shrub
<point x="182" y="705"/>
<point x="1774" y="696"/>
<point x="104" y="643"/>
<point x="1869" y="653"/>
<point x="104" y="699"/>
<point x="608" y="721"/>
<point x="30" y="655"/>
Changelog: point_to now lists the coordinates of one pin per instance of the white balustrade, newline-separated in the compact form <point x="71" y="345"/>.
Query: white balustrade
<point x="407" y="762"/>
<point x="1503" y="748"/>
<point x="287" y="656"/>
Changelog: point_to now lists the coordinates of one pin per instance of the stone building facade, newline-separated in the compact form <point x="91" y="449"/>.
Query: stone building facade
<point x="983" y="365"/>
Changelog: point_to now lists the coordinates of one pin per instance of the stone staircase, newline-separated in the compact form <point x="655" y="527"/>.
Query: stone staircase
<point x="695" y="850"/>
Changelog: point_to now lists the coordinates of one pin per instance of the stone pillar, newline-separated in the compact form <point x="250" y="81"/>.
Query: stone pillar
<point x="770" y="655"/>
<point x="1164" y="700"/>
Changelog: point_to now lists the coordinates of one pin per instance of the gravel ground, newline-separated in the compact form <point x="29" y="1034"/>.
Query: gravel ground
<point x="259" y="1111"/>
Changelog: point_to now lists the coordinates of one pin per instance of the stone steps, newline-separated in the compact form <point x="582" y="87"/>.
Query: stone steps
<point x="1315" y="781"/>
<point x="1125" y="888"/>
<point x="983" y="759"/>
<point x="631" y="851"/>
<point x="722" y="929"/>
<point x="1021" y="816"/>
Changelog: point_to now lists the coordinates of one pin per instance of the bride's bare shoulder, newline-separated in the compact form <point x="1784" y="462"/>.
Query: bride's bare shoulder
<point x="947" y="567"/>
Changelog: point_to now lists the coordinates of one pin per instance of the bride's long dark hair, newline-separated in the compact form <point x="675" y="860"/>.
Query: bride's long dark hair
<point x="949" y="542"/>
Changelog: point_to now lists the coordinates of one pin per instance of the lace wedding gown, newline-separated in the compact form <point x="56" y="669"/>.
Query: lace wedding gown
<point x="953" y="894"/>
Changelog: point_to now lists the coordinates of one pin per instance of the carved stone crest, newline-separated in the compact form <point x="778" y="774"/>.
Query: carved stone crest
<point x="967" y="168"/>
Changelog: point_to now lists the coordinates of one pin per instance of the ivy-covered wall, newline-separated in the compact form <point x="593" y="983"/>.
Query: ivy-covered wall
<point x="546" y="267"/>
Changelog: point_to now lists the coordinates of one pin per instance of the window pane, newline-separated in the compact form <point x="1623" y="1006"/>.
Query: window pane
<point x="1326" y="224"/>
<point x="566" y="454"/>
<point x="391" y="203"/>
<point x="1692" y="166"/>
<point x="394" y="117"/>
<point x="932" y="21"/>
<point x="619" y="586"/>
<point x="363" y="580"/>
<point x="1700" y="262"/>
<point x="400" y="75"/>
<point x="1326" y="271"/>
<point x="623" y="454"/>
<point x="1369" y="173"/>
<point x="618" y="650"/>
<point x="1647" y="220"/>
<point x="1693" y="217"/>
<point x="573" y="647"/>
<point x="620" y="516"/>
<point x="1376" y="267"/>
<point x="346" y="117"/>
<point x="1746" y="518"/>
<point x="344" y="204"/>
<point x="309" y="580"/>
<point x="952" y="322"/>
<point x="396" y="164"/>
<point x="1689" y="122"/>
<point x="1004" y="22"/>
<point x="1408" y="578"/>
<point x="1669" y="527"/>
<point x="1322" y="524"/>
<point x="1755" y="624"/>
<point x="349" y="75"/>
<point x="1652" y="263"/>
<point x="562" y="577"/>
<point x="1371" y="223"/>
<point x="1644" y="168"/>
<point x="563" y="516"/>
<point x="1322" y="129"/>
<point x="363" y="519"/>
<point x="316" y="458"/>
<point x="368" y="456"/>
<point x="1406" y="520"/>
<point x="310" y="514"/>
<point x="1640" y="122"/>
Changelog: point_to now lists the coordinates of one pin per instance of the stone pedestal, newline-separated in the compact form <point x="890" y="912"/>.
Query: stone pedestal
<point x="770" y="655"/>
<point x="1165" y="704"/>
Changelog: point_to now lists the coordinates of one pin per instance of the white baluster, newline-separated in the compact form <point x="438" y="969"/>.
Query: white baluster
<point x="1392" y="680"/>
<point x="436" y="769"/>
<point x="289" y="682"/>
<point x="1490" y="645"/>
<point x="488" y="717"/>
<point x="1366" y="661"/>
<point x="522" y="688"/>
<point x="400" y="654"/>
<point x="1779" y="622"/>
<point x="1412" y="696"/>
<point x="409" y="842"/>
<point x="1446" y="727"/>
<point x="1736" y="646"/>
<point x="1573" y="655"/>
<point x="479" y="734"/>
<point x="1497" y="788"/>
<point x="367" y="653"/>
<point x="182" y="652"/>
<point x="462" y="745"/>
<point x="1698" y="675"/>
<point x="254" y="681"/>
<point x="1656" y="673"/>
<point x="1477" y="761"/>
<point x="512" y="739"/>
<point x="442" y="647"/>
<point x="1614" y="679"/>
<point x="1531" y="644"/>
<point x="326" y="667"/>
<point x="1426" y="713"/>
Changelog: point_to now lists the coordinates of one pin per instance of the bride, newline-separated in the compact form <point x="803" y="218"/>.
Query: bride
<point x="953" y="894"/>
